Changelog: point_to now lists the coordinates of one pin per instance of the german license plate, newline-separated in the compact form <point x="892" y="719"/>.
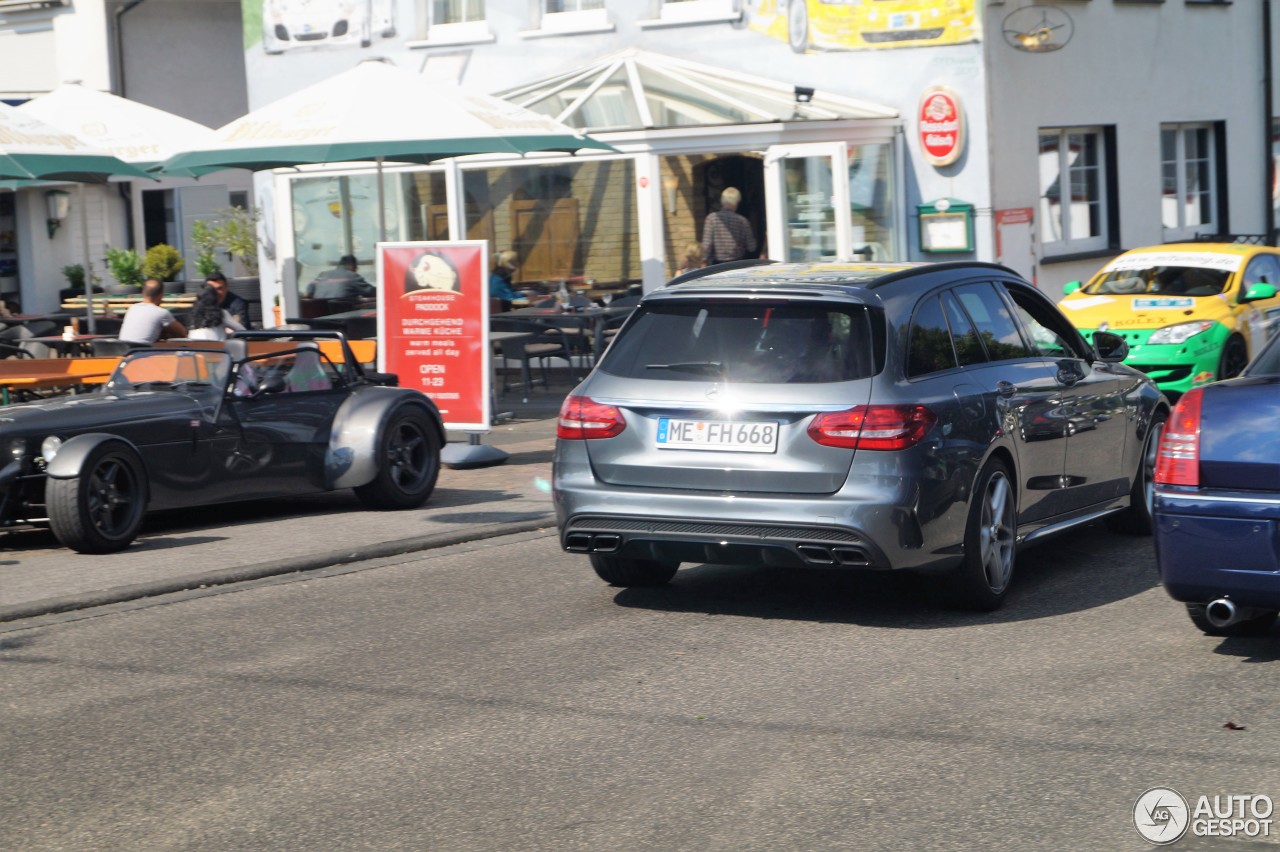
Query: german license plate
<point x="724" y="435"/>
<point x="904" y="21"/>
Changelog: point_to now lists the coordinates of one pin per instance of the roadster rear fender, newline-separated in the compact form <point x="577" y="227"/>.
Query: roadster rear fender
<point x="350" y="459"/>
<point x="69" y="461"/>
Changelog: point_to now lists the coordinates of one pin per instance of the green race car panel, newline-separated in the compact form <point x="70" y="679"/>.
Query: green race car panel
<point x="1191" y="313"/>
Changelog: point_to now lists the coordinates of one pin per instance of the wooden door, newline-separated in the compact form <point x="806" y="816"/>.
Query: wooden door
<point x="545" y="235"/>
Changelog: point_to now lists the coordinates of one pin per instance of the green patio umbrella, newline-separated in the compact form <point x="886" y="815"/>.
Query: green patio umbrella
<point x="30" y="149"/>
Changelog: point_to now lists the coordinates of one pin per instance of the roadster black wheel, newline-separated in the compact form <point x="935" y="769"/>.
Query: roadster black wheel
<point x="408" y="464"/>
<point x="101" y="509"/>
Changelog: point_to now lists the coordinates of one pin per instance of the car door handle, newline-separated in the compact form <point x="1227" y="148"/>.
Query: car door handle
<point x="1005" y="388"/>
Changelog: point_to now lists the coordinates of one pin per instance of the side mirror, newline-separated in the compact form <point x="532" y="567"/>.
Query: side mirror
<point x="271" y="384"/>
<point x="1070" y="287"/>
<point x="1111" y="348"/>
<point x="1259" y="292"/>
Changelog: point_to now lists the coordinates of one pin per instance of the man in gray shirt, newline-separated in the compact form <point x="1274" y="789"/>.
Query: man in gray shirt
<point x="341" y="282"/>
<point x="146" y="322"/>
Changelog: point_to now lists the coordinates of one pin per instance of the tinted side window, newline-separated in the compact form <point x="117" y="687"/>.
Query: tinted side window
<point x="968" y="345"/>
<point x="996" y="325"/>
<point x="1050" y="333"/>
<point x="1261" y="270"/>
<point x="929" y="350"/>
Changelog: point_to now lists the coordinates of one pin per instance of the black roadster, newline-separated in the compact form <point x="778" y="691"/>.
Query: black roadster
<point x="191" y="423"/>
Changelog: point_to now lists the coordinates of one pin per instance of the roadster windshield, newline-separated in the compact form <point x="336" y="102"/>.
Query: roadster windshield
<point x="177" y="370"/>
<point x="1161" y="281"/>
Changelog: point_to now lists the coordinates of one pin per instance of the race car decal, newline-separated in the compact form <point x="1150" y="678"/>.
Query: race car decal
<point x="1203" y="260"/>
<point x="1081" y="304"/>
<point x="1167" y="302"/>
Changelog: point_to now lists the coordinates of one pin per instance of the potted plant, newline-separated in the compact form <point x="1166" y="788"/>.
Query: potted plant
<point x="238" y="233"/>
<point x="162" y="262"/>
<point x="126" y="268"/>
<point x="206" y="240"/>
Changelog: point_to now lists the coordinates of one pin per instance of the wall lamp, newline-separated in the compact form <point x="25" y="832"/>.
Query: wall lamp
<point x="57" y="203"/>
<point x="670" y="183"/>
<point x="804" y="94"/>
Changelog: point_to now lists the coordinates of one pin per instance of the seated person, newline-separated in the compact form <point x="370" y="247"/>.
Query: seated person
<point x="341" y="282"/>
<point x="504" y="268"/>
<point x="146" y="322"/>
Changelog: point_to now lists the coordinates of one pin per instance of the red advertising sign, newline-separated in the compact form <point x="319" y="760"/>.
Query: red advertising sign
<point x="941" y="126"/>
<point x="433" y="325"/>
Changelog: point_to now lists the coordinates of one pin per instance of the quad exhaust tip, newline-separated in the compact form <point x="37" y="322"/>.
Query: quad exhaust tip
<point x="581" y="542"/>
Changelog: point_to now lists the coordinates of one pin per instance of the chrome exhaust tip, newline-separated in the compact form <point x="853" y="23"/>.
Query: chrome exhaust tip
<point x="1222" y="613"/>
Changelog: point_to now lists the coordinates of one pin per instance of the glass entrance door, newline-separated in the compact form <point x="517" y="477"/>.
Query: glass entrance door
<point x="832" y="200"/>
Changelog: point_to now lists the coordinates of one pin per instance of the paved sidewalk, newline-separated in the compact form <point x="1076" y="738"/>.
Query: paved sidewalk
<point x="242" y="541"/>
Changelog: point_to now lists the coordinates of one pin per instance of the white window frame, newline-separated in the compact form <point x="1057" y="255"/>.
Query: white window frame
<point x="1182" y="230"/>
<point x="1067" y="245"/>
<point x="460" y="32"/>
<point x="674" y="14"/>
<point x="568" y="23"/>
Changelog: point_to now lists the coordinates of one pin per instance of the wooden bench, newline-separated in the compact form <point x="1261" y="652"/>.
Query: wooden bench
<point x="18" y="374"/>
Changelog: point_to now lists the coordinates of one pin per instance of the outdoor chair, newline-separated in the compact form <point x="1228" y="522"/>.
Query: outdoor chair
<point x="105" y="347"/>
<point x="540" y="346"/>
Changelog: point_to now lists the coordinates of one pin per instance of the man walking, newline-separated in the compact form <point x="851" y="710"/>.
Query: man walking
<point x="146" y="322"/>
<point x="727" y="234"/>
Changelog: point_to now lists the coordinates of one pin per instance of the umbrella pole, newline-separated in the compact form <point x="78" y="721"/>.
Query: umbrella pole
<point x="382" y="209"/>
<point x="88" y="261"/>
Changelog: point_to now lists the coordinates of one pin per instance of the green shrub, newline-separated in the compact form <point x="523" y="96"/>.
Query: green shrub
<point x="74" y="274"/>
<point x="163" y="262"/>
<point x="238" y="233"/>
<point x="206" y="239"/>
<point x="125" y="266"/>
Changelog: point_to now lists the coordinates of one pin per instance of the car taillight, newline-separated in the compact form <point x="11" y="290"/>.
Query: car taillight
<point x="581" y="418"/>
<point x="873" y="427"/>
<point x="1178" y="458"/>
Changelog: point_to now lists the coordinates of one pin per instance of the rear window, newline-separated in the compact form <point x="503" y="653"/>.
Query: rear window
<point x="749" y="342"/>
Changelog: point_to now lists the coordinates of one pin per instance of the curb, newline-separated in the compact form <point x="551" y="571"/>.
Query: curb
<point x="136" y="591"/>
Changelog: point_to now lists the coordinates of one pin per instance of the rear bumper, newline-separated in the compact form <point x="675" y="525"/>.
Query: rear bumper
<point x="874" y="522"/>
<point x="1219" y="544"/>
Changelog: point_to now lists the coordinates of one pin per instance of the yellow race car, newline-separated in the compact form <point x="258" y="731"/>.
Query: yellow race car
<point x="856" y="24"/>
<point x="1192" y="313"/>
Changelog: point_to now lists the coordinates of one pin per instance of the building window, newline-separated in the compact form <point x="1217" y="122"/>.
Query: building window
<point x="1076" y="190"/>
<point x="677" y="12"/>
<point x="1188" y="191"/>
<point x="562" y="17"/>
<point x="453" y="22"/>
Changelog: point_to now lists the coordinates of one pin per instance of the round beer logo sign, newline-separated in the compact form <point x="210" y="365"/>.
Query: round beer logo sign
<point x="941" y="124"/>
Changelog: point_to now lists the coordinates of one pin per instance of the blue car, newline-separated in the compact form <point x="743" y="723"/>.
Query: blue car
<point x="1217" y="501"/>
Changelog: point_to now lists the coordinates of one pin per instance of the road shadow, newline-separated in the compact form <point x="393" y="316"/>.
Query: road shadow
<point x="1251" y="649"/>
<point x="1094" y="568"/>
<point x="147" y="543"/>
<point x="489" y="517"/>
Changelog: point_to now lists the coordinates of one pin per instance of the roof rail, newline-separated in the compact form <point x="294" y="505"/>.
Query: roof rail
<point x="1247" y="239"/>
<point x="694" y="274"/>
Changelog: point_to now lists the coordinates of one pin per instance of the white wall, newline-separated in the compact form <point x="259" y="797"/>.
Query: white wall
<point x="40" y="49"/>
<point x="1132" y="66"/>
<point x="40" y="258"/>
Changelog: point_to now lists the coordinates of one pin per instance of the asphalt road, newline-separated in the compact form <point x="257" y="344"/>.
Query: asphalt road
<point x="496" y="695"/>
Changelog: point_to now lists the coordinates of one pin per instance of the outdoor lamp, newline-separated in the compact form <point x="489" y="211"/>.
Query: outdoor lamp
<point x="804" y="94"/>
<point x="57" y="203"/>
<point x="670" y="184"/>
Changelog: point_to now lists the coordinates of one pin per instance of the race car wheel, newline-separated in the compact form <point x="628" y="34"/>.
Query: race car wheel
<point x="798" y="25"/>
<point x="1137" y="518"/>
<point x="408" y="464"/>
<point x="983" y="578"/>
<point x="1234" y="358"/>
<point x="624" y="571"/>
<point x="101" y="509"/>
<point x="1256" y="626"/>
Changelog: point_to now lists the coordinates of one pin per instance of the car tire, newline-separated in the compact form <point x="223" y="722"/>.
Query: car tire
<point x="1235" y="355"/>
<point x="1256" y="626"/>
<point x="102" y="508"/>
<point x="626" y="571"/>
<point x="798" y="26"/>
<point x="408" y="463"/>
<point x="1137" y="519"/>
<point x="990" y="542"/>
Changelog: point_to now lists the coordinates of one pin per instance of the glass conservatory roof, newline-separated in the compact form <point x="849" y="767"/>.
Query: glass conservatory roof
<point x="638" y="90"/>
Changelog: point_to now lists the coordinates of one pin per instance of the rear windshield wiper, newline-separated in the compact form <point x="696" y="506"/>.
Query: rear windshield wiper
<point x="714" y="368"/>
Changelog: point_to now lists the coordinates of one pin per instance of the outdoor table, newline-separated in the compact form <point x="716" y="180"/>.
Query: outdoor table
<point x="360" y="323"/>
<point x="67" y="346"/>
<point x="591" y="320"/>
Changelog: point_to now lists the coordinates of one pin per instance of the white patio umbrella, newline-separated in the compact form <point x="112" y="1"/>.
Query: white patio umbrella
<point x="33" y="149"/>
<point x="377" y="112"/>
<point x="136" y="133"/>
